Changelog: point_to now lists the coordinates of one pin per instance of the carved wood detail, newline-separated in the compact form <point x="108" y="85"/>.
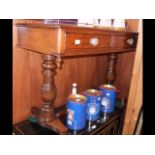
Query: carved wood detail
<point x="110" y="72"/>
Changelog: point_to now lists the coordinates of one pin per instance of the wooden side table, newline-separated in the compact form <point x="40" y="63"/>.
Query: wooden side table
<point x="56" y="42"/>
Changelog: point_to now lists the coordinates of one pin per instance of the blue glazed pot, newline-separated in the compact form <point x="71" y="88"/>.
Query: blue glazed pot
<point x="108" y="98"/>
<point x="93" y="104"/>
<point x="76" y="112"/>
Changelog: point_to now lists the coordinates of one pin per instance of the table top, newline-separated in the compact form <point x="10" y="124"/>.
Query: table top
<point x="73" y="26"/>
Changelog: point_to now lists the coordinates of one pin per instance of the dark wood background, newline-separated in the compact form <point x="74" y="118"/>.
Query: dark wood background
<point x="86" y="71"/>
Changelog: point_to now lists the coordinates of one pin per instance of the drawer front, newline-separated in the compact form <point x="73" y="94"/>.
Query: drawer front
<point x="99" y="43"/>
<point x="128" y="41"/>
<point x="87" y="41"/>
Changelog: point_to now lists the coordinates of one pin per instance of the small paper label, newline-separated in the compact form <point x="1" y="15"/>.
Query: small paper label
<point x="77" y="42"/>
<point x="70" y="114"/>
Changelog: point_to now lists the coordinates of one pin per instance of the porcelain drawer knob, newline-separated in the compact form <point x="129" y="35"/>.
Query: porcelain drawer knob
<point x="130" y="41"/>
<point x="94" y="41"/>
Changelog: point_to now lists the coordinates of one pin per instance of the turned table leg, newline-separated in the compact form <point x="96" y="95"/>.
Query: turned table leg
<point x="48" y="90"/>
<point x="45" y="114"/>
<point x="110" y="72"/>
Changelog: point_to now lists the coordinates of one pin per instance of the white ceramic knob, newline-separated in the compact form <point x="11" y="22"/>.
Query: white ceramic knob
<point x="94" y="41"/>
<point x="130" y="41"/>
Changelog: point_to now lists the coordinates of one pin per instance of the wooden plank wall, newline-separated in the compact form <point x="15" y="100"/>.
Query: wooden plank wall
<point x="135" y="95"/>
<point x="86" y="71"/>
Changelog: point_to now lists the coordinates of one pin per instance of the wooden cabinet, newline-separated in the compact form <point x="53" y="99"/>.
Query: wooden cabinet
<point x="108" y="126"/>
<point x="84" y="56"/>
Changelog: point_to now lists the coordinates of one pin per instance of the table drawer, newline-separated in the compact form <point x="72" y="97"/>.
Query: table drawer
<point x="127" y="41"/>
<point x="99" y="42"/>
<point x="89" y="41"/>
